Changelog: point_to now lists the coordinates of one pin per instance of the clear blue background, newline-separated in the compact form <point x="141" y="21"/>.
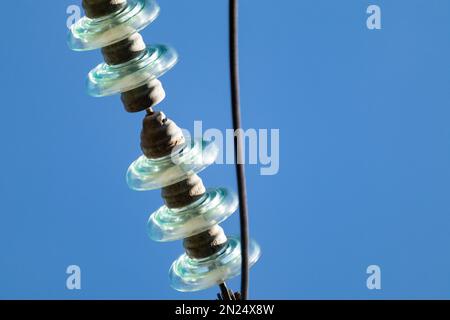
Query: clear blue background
<point x="364" y="152"/>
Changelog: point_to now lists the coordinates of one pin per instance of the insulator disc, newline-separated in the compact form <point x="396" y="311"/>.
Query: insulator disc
<point x="174" y="224"/>
<point x="107" y="80"/>
<point x="91" y="34"/>
<point x="191" y="157"/>
<point x="187" y="274"/>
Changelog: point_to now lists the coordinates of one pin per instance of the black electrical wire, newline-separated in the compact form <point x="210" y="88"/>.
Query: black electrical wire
<point x="238" y="156"/>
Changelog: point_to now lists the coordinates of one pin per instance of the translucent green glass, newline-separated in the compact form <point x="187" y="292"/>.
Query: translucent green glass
<point x="107" y="80"/>
<point x="192" y="157"/>
<point x="90" y="34"/>
<point x="188" y="274"/>
<point x="174" y="224"/>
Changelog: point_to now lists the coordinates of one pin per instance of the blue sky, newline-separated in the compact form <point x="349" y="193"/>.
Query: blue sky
<point x="364" y="150"/>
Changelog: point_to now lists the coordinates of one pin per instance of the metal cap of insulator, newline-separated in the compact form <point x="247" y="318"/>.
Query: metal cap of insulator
<point x="183" y="193"/>
<point x="205" y="244"/>
<point x="125" y="50"/>
<point x="143" y="97"/>
<point x="100" y="8"/>
<point x="159" y="135"/>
